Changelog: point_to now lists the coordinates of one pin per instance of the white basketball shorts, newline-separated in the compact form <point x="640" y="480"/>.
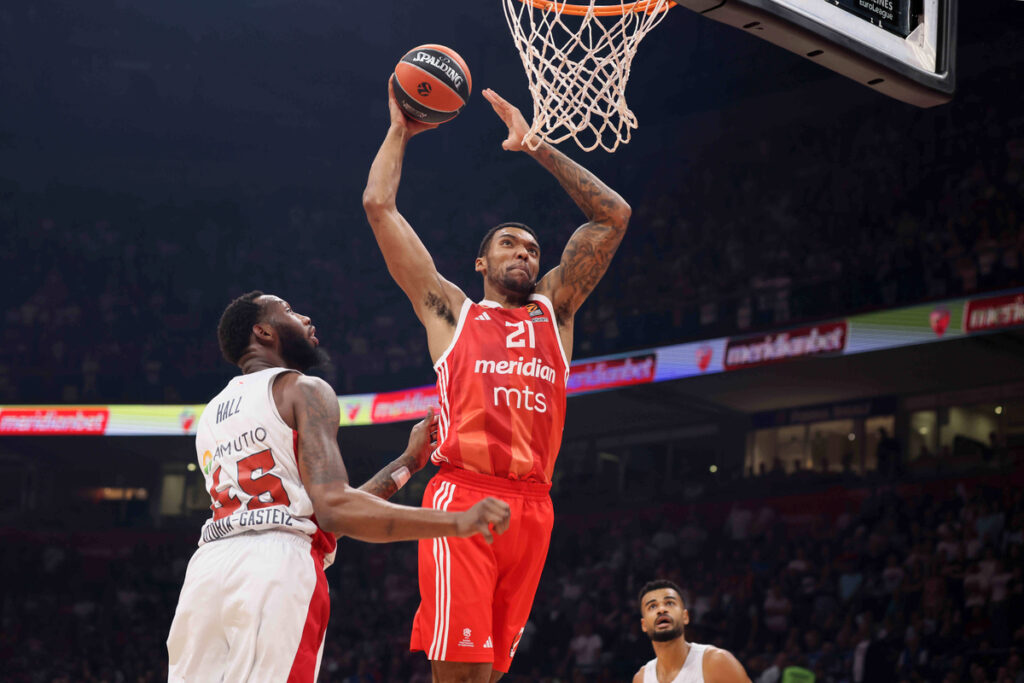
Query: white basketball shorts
<point x="253" y="608"/>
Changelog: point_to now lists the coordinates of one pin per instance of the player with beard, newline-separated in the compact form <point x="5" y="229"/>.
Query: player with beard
<point x="254" y="604"/>
<point x="502" y="366"/>
<point x="663" y="617"/>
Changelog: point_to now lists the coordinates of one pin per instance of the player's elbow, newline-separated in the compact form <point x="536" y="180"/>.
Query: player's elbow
<point x="622" y="212"/>
<point x="377" y="203"/>
<point x="616" y="213"/>
<point x="334" y="511"/>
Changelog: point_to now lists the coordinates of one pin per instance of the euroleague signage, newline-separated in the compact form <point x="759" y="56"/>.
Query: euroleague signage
<point x="801" y="342"/>
<point x="52" y="421"/>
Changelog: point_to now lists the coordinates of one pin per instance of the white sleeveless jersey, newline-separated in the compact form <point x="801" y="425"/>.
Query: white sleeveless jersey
<point x="248" y="455"/>
<point x="692" y="671"/>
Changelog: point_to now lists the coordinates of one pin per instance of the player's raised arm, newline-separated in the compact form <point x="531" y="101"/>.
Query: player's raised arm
<point x="590" y="249"/>
<point x="343" y="510"/>
<point x="435" y="300"/>
<point x="422" y="440"/>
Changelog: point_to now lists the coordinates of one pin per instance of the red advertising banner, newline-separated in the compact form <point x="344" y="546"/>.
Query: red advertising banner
<point x="411" y="404"/>
<point x="37" y="421"/>
<point x="993" y="313"/>
<point x="748" y="352"/>
<point x="608" y="374"/>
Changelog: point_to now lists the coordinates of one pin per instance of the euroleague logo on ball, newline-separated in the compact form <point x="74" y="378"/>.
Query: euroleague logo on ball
<point x="431" y="83"/>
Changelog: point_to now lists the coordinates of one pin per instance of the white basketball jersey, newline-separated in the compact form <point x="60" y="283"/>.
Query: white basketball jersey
<point x="692" y="671"/>
<point x="247" y="454"/>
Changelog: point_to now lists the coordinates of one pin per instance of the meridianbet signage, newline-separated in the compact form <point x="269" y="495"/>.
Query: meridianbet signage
<point x="887" y="329"/>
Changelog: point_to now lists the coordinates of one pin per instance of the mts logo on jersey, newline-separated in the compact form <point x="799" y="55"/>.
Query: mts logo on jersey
<point x="520" y="336"/>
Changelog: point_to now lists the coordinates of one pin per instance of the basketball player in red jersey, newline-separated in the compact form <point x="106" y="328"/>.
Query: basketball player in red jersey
<point x="502" y="367"/>
<point x="254" y="603"/>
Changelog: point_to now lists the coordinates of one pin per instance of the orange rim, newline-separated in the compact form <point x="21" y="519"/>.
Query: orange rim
<point x="647" y="6"/>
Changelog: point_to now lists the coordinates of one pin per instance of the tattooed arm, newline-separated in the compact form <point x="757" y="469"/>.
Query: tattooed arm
<point x="422" y="440"/>
<point x="435" y="300"/>
<point x="590" y="249"/>
<point x="343" y="510"/>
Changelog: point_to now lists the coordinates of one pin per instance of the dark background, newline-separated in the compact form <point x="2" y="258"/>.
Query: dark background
<point x="158" y="159"/>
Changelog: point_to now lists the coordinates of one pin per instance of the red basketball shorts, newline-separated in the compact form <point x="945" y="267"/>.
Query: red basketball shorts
<point x="475" y="597"/>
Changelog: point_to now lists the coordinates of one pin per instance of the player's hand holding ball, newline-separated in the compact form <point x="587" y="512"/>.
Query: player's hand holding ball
<point x="488" y="514"/>
<point x="430" y="85"/>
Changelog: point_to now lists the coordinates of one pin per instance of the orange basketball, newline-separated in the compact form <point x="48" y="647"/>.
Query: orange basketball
<point x="432" y="83"/>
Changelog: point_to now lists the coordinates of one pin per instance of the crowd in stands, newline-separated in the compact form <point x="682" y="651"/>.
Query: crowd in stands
<point x="116" y="299"/>
<point x="911" y="582"/>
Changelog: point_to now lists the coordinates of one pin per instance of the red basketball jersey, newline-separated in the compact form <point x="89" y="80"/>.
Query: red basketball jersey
<point x="501" y="385"/>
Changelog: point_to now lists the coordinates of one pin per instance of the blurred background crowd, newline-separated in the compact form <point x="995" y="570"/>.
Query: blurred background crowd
<point x="880" y="207"/>
<point x="158" y="160"/>
<point x="917" y="582"/>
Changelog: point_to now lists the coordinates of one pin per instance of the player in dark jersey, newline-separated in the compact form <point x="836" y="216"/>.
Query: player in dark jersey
<point x="502" y="367"/>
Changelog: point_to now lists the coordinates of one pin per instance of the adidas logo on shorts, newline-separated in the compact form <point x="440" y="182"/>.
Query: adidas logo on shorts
<point x="488" y="645"/>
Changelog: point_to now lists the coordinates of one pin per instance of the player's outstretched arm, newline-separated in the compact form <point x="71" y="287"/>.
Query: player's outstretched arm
<point x="720" y="666"/>
<point x="435" y="300"/>
<point x="422" y="441"/>
<point x="343" y="510"/>
<point x="590" y="249"/>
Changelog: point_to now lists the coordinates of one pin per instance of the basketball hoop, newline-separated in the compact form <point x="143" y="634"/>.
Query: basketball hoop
<point x="577" y="59"/>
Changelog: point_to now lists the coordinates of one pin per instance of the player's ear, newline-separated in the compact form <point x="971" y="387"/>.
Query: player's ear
<point x="686" y="617"/>
<point x="263" y="332"/>
<point x="480" y="265"/>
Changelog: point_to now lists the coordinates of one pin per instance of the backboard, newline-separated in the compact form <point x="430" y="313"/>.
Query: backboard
<point x="905" y="49"/>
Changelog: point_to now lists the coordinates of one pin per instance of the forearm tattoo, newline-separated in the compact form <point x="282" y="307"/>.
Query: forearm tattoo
<point x="383" y="485"/>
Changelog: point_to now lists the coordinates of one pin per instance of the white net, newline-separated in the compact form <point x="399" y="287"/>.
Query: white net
<point x="578" y="67"/>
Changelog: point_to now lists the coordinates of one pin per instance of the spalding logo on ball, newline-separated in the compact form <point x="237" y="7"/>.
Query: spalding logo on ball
<point x="432" y="83"/>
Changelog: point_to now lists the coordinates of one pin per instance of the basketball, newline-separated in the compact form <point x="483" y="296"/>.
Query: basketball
<point x="432" y="83"/>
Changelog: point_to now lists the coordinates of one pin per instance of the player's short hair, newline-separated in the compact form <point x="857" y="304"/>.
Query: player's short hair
<point x="236" y="323"/>
<point x="658" y="584"/>
<point x="486" y="243"/>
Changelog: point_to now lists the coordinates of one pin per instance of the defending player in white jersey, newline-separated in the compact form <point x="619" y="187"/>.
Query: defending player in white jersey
<point x="663" y="617"/>
<point x="254" y="604"/>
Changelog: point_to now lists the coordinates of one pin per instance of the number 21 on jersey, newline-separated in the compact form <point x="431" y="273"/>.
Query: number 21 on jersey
<point x="515" y="340"/>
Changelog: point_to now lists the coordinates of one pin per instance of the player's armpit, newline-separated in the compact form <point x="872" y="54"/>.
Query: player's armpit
<point x="720" y="666"/>
<point x="638" y="677"/>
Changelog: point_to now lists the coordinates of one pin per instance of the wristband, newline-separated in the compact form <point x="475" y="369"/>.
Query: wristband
<point x="401" y="475"/>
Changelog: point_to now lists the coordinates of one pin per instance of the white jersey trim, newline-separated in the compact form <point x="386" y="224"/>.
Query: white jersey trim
<point x="554" y="322"/>
<point x="273" y="403"/>
<point x="691" y="672"/>
<point x="442" y="579"/>
<point x="463" y="312"/>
